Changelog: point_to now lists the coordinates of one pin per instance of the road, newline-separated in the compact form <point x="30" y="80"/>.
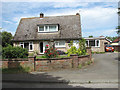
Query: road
<point x="103" y="73"/>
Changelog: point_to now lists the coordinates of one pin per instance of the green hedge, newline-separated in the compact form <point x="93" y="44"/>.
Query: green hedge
<point x="14" y="52"/>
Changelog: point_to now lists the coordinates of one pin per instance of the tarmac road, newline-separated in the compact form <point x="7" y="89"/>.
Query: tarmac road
<point x="103" y="73"/>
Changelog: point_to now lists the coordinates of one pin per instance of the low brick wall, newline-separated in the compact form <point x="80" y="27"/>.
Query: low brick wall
<point x="18" y="62"/>
<point x="53" y="64"/>
<point x="47" y="64"/>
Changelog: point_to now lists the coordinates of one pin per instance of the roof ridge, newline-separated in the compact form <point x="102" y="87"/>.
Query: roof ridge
<point x="48" y="16"/>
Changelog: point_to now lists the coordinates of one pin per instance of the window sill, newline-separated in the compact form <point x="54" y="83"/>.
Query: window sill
<point x="60" y="46"/>
<point x="47" y="31"/>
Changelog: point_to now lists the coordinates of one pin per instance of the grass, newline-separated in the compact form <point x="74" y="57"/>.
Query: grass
<point x="60" y="56"/>
<point x="16" y="70"/>
<point x="98" y="52"/>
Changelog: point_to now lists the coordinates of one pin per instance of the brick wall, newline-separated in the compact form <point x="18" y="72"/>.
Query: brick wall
<point x="47" y="64"/>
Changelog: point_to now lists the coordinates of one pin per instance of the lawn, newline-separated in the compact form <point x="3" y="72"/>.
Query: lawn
<point x="60" y="56"/>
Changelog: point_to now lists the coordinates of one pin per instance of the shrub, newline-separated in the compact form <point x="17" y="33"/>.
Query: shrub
<point x="14" y="52"/>
<point x="50" y="52"/>
<point x="72" y="50"/>
<point x="80" y="51"/>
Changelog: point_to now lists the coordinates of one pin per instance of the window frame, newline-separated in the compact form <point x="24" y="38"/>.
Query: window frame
<point x="57" y="46"/>
<point x="48" y="28"/>
<point x="95" y="43"/>
<point x="30" y="43"/>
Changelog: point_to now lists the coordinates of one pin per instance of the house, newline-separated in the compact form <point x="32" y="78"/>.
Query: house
<point x="36" y="32"/>
<point x="97" y="43"/>
<point x="116" y="44"/>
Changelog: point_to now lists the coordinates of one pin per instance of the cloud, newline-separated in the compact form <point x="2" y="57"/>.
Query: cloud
<point x="94" y="16"/>
<point x="12" y="32"/>
<point x="71" y="4"/>
<point x="99" y="17"/>
<point x="109" y="32"/>
<point x="60" y="0"/>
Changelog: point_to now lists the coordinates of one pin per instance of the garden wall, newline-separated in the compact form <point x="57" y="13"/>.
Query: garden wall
<point x="47" y="64"/>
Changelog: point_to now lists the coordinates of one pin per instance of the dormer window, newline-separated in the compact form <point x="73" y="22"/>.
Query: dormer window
<point x="47" y="28"/>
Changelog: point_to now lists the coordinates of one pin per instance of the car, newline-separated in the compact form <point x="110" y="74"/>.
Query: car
<point x="109" y="48"/>
<point x="61" y="52"/>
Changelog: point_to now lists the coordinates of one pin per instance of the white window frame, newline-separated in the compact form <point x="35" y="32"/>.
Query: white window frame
<point x="88" y="43"/>
<point x="31" y="43"/>
<point x="59" y="44"/>
<point x="95" y="43"/>
<point x="22" y="43"/>
<point x="48" y="28"/>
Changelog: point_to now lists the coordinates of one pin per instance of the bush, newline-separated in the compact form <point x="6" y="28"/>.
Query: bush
<point x="80" y="51"/>
<point x="72" y="50"/>
<point x="51" y="52"/>
<point x="14" y="52"/>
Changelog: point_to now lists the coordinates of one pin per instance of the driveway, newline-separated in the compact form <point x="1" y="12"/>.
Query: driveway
<point x="104" y="69"/>
<point x="103" y="73"/>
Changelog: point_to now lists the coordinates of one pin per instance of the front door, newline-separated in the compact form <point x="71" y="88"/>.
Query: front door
<point x="42" y="46"/>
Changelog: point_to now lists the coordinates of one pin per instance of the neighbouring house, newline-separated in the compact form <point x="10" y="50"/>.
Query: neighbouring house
<point x="116" y="44"/>
<point x="36" y="32"/>
<point x="97" y="44"/>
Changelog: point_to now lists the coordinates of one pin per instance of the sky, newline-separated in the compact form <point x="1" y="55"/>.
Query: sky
<point x="97" y="18"/>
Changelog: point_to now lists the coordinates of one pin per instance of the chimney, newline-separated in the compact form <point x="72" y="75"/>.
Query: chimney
<point x="41" y="15"/>
<point x="77" y="14"/>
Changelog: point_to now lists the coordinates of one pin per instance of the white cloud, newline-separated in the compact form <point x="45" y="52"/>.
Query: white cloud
<point x="111" y="32"/>
<point x="60" y="0"/>
<point x="70" y="4"/>
<point x="98" y="17"/>
<point x="12" y="32"/>
<point x="8" y="22"/>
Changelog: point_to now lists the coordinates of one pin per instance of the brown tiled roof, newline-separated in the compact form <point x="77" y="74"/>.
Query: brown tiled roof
<point x="69" y="28"/>
<point x="116" y="40"/>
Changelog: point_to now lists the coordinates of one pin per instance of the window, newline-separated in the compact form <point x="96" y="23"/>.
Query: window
<point x="59" y="43"/>
<point x="48" y="28"/>
<point x="95" y="43"/>
<point x="28" y="45"/>
<point x="41" y="28"/>
<point x="91" y="42"/>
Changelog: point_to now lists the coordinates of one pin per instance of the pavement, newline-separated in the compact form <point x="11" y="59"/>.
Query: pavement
<point x="102" y="73"/>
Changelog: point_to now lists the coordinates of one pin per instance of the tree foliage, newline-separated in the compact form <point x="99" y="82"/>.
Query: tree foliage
<point x="6" y="38"/>
<point x="90" y="36"/>
<point x="111" y="38"/>
<point x="80" y="51"/>
<point x="14" y="52"/>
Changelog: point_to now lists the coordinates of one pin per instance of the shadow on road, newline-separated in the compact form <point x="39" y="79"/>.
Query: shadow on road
<point x="29" y="80"/>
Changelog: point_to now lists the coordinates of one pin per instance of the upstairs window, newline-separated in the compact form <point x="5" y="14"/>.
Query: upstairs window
<point x="48" y="28"/>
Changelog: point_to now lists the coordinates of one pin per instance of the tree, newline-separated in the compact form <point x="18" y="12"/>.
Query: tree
<point x="90" y="36"/>
<point x="111" y="38"/>
<point x="6" y="38"/>
<point x="118" y="27"/>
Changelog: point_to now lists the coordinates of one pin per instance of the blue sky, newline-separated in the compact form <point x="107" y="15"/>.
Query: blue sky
<point x="97" y="18"/>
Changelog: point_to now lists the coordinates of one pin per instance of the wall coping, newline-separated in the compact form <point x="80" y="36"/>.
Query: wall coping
<point x="83" y="56"/>
<point x="15" y="59"/>
<point x="52" y="58"/>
